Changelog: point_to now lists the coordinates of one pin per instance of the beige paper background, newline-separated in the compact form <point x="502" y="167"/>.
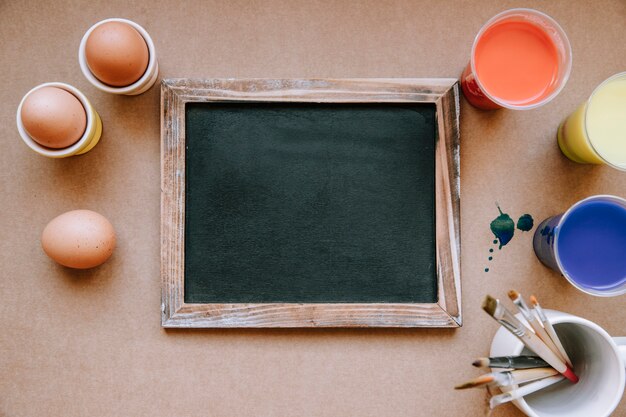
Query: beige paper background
<point x="90" y="343"/>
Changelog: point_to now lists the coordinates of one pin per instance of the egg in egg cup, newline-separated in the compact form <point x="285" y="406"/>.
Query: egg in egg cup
<point x="87" y="141"/>
<point x="140" y="86"/>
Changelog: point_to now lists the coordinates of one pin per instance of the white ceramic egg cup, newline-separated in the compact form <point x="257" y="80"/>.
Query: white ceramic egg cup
<point x="142" y="85"/>
<point x="87" y="141"/>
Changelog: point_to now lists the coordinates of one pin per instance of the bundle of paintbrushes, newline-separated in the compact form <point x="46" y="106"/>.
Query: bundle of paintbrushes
<point x="529" y="373"/>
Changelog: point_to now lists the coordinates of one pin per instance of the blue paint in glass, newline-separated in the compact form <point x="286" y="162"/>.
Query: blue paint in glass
<point x="591" y="245"/>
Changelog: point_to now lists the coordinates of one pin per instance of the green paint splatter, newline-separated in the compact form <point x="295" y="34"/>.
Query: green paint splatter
<point x="503" y="227"/>
<point x="525" y="222"/>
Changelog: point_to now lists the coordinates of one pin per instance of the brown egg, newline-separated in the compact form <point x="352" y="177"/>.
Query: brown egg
<point x="79" y="239"/>
<point x="116" y="54"/>
<point x="53" y="117"/>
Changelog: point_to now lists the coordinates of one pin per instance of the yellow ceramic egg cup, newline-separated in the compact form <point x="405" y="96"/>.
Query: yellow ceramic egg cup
<point x="90" y="137"/>
<point x="95" y="137"/>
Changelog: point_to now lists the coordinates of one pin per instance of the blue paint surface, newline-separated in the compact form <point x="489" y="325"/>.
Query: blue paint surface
<point x="592" y="245"/>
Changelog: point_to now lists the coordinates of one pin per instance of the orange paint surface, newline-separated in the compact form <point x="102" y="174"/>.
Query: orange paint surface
<point x="516" y="62"/>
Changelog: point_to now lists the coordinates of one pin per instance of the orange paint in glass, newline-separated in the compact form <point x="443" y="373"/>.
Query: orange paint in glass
<point x="517" y="62"/>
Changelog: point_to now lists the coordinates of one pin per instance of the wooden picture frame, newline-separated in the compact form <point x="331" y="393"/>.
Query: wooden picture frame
<point x="443" y="93"/>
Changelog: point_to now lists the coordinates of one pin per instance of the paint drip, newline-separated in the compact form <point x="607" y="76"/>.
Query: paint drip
<point x="525" y="223"/>
<point x="549" y="233"/>
<point x="503" y="228"/>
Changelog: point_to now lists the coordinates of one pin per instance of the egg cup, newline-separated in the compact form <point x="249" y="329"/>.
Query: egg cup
<point x="142" y="85"/>
<point x="87" y="141"/>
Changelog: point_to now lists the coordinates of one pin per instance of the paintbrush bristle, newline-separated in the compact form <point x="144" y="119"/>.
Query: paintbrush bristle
<point x="481" y="363"/>
<point x="490" y="304"/>
<point x="477" y="382"/>
<point x="533" y="301"/>
<point x="513" y="295"/>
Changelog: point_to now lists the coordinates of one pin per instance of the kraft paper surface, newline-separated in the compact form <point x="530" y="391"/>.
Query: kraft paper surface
<point x="90" y="343"/>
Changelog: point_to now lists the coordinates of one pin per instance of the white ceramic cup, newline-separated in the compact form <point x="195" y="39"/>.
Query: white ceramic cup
<point x="142" y="85"/>
<point x="90" y="137"/>
<point x="598" y="360"/>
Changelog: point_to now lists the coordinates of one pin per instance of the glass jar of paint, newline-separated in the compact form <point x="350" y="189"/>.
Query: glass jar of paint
<point x="520" y="59"/>
<point x="595" y="133"/>
<point x="587" y="245"/>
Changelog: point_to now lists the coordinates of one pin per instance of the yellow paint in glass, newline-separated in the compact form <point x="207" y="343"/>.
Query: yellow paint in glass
<point x="596" y="132"/>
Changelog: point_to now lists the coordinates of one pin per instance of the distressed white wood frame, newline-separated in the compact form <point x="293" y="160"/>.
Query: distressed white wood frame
<point x="443" y="93"/>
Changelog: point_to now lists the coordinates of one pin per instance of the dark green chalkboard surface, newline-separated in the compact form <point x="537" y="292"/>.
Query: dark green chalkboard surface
<point x="310" y="203"/>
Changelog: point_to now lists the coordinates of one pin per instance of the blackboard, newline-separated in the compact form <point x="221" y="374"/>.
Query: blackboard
<point x="310" y="203"/>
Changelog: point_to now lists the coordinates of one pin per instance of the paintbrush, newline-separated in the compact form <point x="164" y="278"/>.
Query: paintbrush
<point x="550" y="329"/>
<point x="523" y="391"/>
<point x="521" y="305"/>
<point x="528" y="338"/>
<point x="503" y="379"/>
<point x="512" y="362"/>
